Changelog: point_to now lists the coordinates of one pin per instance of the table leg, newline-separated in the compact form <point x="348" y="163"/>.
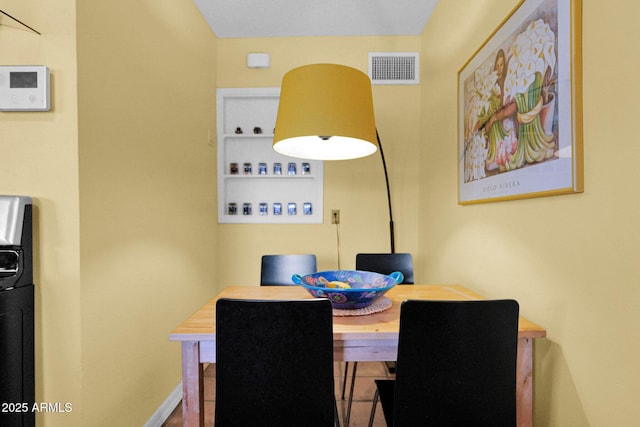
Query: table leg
<point x="192" y="385"/>
<point x="524" y="387"/>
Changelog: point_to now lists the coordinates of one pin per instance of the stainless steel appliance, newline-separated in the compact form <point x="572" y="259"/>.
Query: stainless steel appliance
<point x="17" y="379"/>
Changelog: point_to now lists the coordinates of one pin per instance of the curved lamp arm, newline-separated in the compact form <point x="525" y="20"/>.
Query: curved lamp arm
<point x="386" y="178"/>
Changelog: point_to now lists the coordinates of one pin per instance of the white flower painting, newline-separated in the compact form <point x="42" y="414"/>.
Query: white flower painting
<point x="519" y="107"/>
<point x="505" y="101"/>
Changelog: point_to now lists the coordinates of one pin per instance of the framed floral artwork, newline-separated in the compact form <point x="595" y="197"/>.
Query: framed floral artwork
<point x="520" y="107"/>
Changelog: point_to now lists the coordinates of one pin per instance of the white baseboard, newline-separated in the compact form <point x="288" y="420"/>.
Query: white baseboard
<point x="166" y="408"/>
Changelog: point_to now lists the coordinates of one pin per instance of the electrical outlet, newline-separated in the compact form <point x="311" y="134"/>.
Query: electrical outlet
<point x="335" y="216"/>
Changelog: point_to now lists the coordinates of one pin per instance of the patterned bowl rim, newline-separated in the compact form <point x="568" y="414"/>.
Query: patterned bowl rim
<point x="396" y="277"/>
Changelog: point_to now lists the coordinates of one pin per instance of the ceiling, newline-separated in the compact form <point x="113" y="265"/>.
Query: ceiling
<point x="293" y="18"/>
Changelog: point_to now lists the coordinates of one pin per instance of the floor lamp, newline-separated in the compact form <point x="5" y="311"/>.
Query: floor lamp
<point x="326" y="113"/>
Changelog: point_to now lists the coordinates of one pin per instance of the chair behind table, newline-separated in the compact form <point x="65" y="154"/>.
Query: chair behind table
<point x="276" y="270"/>
<point x="386" y="264"/>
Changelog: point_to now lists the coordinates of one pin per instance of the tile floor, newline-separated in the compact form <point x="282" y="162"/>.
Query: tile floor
<point x="362" y="399"/>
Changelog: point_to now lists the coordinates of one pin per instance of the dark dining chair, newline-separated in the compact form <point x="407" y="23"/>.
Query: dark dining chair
<point x="274" y="363"/>
<point x="276" y="270"/>
<point x="387" y="264"/>
<point x="383" y="263"/>
<point x="456" y="365"/>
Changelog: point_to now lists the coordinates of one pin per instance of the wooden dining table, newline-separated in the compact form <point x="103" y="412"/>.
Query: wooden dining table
<point x="362" y="338"/>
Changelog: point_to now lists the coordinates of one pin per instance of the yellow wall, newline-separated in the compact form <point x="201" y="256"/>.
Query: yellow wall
<point x="122" y="173"/>
<point x="572" y="260"/>
<point x="39" y="159"/>
<point x="123" y="179"/>
<point x="356" y="187"/>
<point x="146" y="90"/>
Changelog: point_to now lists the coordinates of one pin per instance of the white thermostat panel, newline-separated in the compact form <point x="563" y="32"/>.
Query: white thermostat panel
<point x="24" y="88"/>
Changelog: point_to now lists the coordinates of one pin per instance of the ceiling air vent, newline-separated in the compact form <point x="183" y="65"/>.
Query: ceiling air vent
<point x="394" y="68"/>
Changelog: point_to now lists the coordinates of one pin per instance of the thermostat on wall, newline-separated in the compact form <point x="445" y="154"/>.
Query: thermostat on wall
<point x="24" y="88"/>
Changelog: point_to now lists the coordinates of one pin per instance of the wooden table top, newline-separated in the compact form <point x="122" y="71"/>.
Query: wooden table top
<point x="201" y="326"/>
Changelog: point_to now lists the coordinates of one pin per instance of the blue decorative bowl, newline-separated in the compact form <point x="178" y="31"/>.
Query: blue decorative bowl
<point x="348" y="289"/>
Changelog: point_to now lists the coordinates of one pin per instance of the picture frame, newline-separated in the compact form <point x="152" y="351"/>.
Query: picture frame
<point x="520" y="107"/>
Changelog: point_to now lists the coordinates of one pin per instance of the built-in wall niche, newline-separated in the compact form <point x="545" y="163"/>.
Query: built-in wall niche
<point x="256" y="184"/>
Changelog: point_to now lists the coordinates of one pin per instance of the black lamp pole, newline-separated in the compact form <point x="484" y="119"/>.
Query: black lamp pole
<point x="386" y="178"/>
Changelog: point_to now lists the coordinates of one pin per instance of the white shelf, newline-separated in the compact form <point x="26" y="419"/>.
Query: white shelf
<point x="247" y="109"/>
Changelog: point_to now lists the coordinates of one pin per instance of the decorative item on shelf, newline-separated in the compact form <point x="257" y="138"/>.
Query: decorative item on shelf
<point x="264" y="208"/>
<point x="238" y="130"/>
<point x="277" y="208"/>
<point x="233" y="169"/>
<point x="262" y="168"/>
<point x="292" y="208"/>
<point x="247" y="169"/>
<point x="291" y="169"/>
<point x="277" y="168"/>
<point x="306" y="168"/>
<point x="232" y="209"/>
<point x="246" y="209"/>
<point x="307" y="208"/>
<point x="257" y="130"/>
<point x="326" y="113"/>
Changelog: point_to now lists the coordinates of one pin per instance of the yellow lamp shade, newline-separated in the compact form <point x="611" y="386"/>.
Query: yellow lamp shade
<point x="325" y="113"/>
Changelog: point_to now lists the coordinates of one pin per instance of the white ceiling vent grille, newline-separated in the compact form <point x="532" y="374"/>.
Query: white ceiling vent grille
<point x="394" y="68"/>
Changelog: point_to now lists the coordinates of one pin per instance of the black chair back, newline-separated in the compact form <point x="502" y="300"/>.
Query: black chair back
<point x="276" y="270"/>
<point x="386" y="264"/>
<point x="456" y="364"/>
<point x="274" y="363"/>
